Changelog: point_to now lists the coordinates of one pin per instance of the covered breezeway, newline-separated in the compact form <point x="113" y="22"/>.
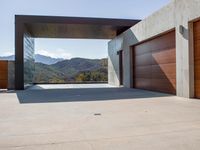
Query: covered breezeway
<point x="29" y="27"/>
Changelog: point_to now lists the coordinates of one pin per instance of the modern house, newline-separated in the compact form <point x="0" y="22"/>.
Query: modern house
<point x="160" y="53"/>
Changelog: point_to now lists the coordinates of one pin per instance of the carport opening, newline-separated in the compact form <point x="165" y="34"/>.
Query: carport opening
<point x="27" y="28"/>
<point x="70" y="61"/>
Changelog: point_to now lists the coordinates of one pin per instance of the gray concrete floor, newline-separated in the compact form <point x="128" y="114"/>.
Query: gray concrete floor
<point x="98" y="119"/>
<point x="67" y="86"/>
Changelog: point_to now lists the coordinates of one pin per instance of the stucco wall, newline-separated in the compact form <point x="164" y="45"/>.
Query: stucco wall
<point x="177" y="13"/>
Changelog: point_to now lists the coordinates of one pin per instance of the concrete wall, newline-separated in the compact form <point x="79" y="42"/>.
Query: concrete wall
<point x="177" y="14"/>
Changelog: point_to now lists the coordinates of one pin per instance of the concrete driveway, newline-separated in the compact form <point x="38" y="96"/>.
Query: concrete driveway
<point x="105" y="118"/>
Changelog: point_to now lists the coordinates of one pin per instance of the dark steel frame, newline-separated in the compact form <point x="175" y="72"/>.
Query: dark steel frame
<point x="36" y="24"/>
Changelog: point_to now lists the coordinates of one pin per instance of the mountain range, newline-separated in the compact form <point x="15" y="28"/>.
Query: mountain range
<point x="58" y="70"/>
<point x="73" y="70"/>
<point x="38" y="58"/>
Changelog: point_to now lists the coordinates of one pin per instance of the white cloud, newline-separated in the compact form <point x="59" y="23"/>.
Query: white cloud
<point x="59" y="53"/>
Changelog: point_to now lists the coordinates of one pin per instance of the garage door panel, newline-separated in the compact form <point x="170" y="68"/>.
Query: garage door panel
<point x="158" y="45"/>
<point x="197" y="76"/>
<point x="197" y="70"/>
<point x="197" y="26"/>
<point x="197" y="93"/>
<point x="143" y="60"/>
<point x="197" y="82"/>
<point x="197" y="59"/>
<point x="143" y="83"/>
<point x="164" y="71"/>
<point x="165" y="90"/>
<point x="196" y="31"/>
<point x="197" y="63"/>
<point x="144" y="50"/>
<point x="197" y="46"/>
<point x="141" y="72"/>
<point x="163" y="76"/>
<point x="197" y="88"/>
<point x="197" y="35"/>
<point x="164" y="83"/>
<point x="196" y="41"/>
<point x="164" y="42"/>
<point x="197" y="55"/>
<point x="164" y="56"/>
<point x="167" y="87"/>
<point x="155" y="66"/>
<point x="154" y="85"/>
<point x="156" y="71"/>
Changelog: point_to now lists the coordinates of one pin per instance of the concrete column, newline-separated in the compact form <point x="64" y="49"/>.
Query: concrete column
<point x="182" y="61"/>
<point x="113" y="64"/>
<point x="184" y="48"/>
<point x="126" y="66"/>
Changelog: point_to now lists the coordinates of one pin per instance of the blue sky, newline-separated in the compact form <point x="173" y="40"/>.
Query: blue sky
<point x="68" y="48"/>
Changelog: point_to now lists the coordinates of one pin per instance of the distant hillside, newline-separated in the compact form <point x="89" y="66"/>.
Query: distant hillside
<point x="75" y="65"/>
<point x="46" y="60"/>
<point x="12" y="57"/>
<point x="38" y="58"/>
<point x="53" y="70"/>
<point x="76" y="69"/>
<point x="47" y="74"/>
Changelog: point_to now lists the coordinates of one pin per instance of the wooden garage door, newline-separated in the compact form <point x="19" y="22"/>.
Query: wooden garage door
<point x="3" y="74"/>
<point x="197" y="58"/>
<point x="154" y="64"/>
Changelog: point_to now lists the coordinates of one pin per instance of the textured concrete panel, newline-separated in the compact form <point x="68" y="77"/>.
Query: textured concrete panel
<point x="113" y="64"/>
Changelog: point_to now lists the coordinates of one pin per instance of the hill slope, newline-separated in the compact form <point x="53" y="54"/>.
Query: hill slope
<point x="75" y="65"/>
<point x="46" y="60"/>
<point x="76" y="69"/>
<point x="47" y="74"/>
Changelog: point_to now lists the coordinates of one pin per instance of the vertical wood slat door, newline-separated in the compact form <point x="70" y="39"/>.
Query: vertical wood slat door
<point x="197" y="59"/>
<point x="154" y="64"/>
<point x="3" y="74"/>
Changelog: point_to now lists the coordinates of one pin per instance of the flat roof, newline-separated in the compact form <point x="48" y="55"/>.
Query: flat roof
<point x="74" y="27"/>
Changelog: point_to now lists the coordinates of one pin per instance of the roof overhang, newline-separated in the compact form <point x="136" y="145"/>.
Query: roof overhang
<point x="74" y="27"/>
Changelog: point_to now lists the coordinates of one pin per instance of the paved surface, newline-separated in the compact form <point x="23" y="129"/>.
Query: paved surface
<point x="69" y="86"/>
<point x="98" y="119"/>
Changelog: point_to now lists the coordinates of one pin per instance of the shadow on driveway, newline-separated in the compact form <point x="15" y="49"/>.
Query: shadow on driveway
<point x="84" y="94"/>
